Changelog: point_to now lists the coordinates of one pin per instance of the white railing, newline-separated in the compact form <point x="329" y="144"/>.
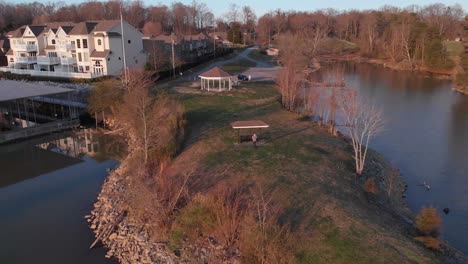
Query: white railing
<point x="59" y="74"/>
<point x="48" y="60"/>
<point x="67" y="61"/>
<point x="65" y="47"/>
<point x="30" y="59"/>
<point x="25" y="47"/>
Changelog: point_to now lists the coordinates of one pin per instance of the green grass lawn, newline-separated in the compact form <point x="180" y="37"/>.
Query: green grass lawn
<point x="309" y="172"/>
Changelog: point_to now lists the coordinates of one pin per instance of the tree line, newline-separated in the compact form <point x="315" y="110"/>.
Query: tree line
<point x="412" y="35"/>
<point x="152" y="19"/>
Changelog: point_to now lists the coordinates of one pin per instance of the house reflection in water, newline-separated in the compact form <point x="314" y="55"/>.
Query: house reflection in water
<point x="86" y="142"/>
<point x="83" y="142"/>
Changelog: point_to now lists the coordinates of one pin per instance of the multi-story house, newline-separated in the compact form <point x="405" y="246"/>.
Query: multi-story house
<point x="187" y="48"/>
<point x="75" y="50"/>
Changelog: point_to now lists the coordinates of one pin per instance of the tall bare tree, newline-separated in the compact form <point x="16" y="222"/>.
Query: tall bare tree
<point x="363" y="121"/>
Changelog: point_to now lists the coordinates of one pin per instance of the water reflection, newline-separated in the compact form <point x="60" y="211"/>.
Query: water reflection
<point x="47" y="185"/>
<point x="426" y="136"/>
<point x="86" y="142"/>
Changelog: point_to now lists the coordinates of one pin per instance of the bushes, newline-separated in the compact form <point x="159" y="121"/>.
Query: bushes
<point x="428" y="221"/>
<point x="238" y="218"/>
<point x="371" y="187"/>
<point x="429" y="242"/>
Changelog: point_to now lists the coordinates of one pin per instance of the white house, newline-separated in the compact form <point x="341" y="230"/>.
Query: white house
<point x="75" y="50"/>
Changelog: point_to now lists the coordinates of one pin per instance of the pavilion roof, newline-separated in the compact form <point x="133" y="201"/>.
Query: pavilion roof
<point x="214" y="73"/>
<point x="249" y="124"/>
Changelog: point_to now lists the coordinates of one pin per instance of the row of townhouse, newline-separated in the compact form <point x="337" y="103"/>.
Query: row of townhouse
<point x="187" y="48"/>
<point x="74" y="50"/>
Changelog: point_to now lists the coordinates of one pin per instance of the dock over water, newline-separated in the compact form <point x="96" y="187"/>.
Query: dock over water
<point x="30" y="109"/>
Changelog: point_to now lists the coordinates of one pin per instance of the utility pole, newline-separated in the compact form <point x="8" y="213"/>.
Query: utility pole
<point x="173" y="57"/>
<point x="123" y="45"/>
<point x="214" y="44"/>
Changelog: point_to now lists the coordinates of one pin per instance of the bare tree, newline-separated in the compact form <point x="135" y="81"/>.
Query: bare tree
<point x="158" y="58"/>
<point x="233" y="14"/>
<point x="362" y="122"/>
<point x="152" y="125"/>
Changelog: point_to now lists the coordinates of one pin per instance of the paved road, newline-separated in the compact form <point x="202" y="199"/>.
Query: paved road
<point x="263" y="71"/>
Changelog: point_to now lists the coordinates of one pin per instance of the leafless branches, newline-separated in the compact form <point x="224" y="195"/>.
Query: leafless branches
<point x="362" y="122"/>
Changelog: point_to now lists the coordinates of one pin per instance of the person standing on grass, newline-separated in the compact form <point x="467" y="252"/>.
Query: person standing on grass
<point x="254" y="139"/>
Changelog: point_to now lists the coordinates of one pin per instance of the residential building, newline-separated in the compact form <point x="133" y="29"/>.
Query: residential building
<point x="187" y="48"/>
<point x="75" y="50"/>
<point x="221" y="38"/>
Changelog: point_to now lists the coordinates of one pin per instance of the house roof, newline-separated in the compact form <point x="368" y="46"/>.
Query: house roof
<point x="16" y="33"/>
<point x="199" y="36"/>
<point x="166" y="38"/>
<point x="37" y="30"/>
<point x="215" y="72"/>
<point x="67" y="29"/>
<point x="219" y="35"/>
<point x="105" y="25"/>
<point x="83" y="28"/>
<point x="100" y="54"/>
<point x="12" y="90"/>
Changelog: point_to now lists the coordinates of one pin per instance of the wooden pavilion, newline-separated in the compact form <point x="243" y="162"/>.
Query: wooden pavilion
<point x="249" y="126"/>
<point x="216" y="78"/>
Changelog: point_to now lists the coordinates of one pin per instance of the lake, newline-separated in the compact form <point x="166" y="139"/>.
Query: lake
<point x="47" y="186"/>
<point x="425" y="136"/>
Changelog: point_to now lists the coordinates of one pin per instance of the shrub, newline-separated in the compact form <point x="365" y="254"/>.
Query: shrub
<point x="176" y="239"/>
<point x="429" y="242"/>
<point x="428" y="221"/>
<point x="197" y="217"/>
<point x="371" y="187"/>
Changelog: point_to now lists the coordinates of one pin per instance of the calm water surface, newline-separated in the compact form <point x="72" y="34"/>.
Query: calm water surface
<point x="426" y="137"/>
<point x="47" y="186"/>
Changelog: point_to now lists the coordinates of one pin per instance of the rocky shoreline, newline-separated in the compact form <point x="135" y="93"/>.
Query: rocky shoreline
<point x="129" y="241"/>
<point x="126" y="240"/>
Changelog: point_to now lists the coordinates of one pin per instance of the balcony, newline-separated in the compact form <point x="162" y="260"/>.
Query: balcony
<point x="61" y="74"/>
<point x="65" y="47"/>
<point x="25" y="47"/>
<point x="48" y="60"/>
<point x="67" y="61"/>
<point x="29" y="60"/>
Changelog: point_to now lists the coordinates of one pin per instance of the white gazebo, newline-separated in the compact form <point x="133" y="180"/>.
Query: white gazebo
<point x="216" y="78"/>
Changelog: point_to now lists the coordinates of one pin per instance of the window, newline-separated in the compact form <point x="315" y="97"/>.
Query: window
<point x="79" y="57"/>
<point x="99" y="42"/>
<point x="53" y="42"/>
<point x="108" y="59"/>
<point x="129" y="42"/>
<point x="52" y="54"/>
<point x="85" y="43"/>
<point x="119" y="58"/>
<point x="87" y="68"/>
<point x="78" y="43"/>
<point x="85" y="56"/>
